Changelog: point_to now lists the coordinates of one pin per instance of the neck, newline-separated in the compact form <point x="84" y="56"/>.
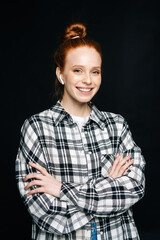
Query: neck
<point x="76" y="109"/>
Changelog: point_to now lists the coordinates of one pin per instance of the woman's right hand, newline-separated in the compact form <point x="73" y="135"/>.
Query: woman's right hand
<point x="120" y="167"/>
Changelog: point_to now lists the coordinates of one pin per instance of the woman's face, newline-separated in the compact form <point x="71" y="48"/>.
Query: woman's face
<point x="81" y="75"/>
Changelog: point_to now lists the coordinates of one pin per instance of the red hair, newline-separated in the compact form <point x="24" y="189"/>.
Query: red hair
<point x="74" y="37"/>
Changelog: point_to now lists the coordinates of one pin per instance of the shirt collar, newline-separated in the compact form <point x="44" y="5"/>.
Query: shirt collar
<point x="59" y="114"/>
<point x="97" y="116"/>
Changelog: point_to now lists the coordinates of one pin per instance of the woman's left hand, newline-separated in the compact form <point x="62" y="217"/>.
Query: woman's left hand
<point x="46" y="183"/>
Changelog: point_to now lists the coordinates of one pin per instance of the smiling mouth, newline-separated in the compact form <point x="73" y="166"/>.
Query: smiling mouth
<point x="85" y="90"/>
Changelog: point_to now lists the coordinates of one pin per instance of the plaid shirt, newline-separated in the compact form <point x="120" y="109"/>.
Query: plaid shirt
<point x="81" y="161"/>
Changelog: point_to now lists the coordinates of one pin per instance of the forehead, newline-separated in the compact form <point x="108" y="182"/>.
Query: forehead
<point x="83" y="56"/>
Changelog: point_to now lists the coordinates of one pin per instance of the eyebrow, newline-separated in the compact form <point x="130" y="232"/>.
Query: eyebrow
<point x="84" y="66"/>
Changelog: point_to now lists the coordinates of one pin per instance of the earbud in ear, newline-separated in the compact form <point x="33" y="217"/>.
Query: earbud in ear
<point x="61" y="79"/>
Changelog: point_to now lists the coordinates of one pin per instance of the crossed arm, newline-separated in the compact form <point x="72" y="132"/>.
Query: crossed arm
<point x="48" y="184"/>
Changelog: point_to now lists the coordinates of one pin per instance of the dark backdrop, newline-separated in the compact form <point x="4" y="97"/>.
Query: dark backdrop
<point x="129" y="33"/>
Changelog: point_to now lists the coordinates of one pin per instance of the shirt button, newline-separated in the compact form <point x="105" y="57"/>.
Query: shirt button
<point x="85" y="178"/>
<point x="101" y="232"/>
<point x="90" y="152"/>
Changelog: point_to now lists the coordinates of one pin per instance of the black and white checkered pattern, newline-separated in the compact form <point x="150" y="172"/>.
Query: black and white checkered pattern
<point x="81" y="161"/>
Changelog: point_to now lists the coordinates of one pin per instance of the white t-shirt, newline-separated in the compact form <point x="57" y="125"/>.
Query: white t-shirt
<point x="80" y="121"/>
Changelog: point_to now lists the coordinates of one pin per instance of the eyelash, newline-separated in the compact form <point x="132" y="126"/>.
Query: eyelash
<point x="96" y="72"/>
<point x="79" y="70"/>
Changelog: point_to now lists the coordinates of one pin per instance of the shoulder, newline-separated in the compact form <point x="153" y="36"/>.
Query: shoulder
<point x="115" y="123"/>
<point x="110" y="120"/>
<point x="37" y="120"/>
<point x="111" y="117"/>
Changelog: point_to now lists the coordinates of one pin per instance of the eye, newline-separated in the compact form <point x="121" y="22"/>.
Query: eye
<point x="96" y="72"/>
<point x="77" y="70"/>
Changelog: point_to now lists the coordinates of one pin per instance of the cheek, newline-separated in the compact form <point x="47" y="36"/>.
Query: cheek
<point x="98" y="81"/>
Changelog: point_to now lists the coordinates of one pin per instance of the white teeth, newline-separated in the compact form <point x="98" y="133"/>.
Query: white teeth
<point x="85" y="89"/>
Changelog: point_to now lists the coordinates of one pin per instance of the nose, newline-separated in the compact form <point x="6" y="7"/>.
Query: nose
<point x="87" y="79"/>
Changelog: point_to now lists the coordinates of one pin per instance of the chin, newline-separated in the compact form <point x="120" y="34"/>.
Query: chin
<point x="84" y="98"/>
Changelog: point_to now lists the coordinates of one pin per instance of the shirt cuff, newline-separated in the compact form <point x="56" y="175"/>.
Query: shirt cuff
<point x="69" y="192"/>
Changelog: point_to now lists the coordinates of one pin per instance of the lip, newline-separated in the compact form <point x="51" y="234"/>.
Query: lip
<point x="80" y="89"/>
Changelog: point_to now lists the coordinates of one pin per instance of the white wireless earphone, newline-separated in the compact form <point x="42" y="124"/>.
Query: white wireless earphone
<point x="61" y="79"/>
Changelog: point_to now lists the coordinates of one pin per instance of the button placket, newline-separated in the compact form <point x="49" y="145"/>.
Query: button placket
<point x="88" y="153"/>
<point x="83" y="137"/>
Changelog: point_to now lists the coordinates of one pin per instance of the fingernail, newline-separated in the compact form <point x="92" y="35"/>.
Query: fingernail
<point x="120" y="155"/>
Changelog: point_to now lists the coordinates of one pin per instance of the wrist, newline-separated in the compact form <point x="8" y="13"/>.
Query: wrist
<point x="58" y="189"/>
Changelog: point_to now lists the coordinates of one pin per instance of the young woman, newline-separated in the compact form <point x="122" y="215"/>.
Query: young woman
<point x="78" y="169"/>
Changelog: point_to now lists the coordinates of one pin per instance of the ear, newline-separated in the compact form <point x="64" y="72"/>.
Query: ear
<point x="58" y="72"/>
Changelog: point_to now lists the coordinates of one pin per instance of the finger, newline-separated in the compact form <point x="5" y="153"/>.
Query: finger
<point x="33" y="175"/>
<point x="125" y="167"/>
<point x="36" y="190"/>
<point x="115" y="163"/>
<point x="33" y="183"/>
<point x="125" y="172"/>
<point x="39" y="168"/>
<point x="121" y="163"/>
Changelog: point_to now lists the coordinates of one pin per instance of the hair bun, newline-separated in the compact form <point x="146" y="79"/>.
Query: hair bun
<point x="75" y="30"/>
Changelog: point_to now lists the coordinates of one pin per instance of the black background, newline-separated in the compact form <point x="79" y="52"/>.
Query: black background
<point x="129" y="33"/>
